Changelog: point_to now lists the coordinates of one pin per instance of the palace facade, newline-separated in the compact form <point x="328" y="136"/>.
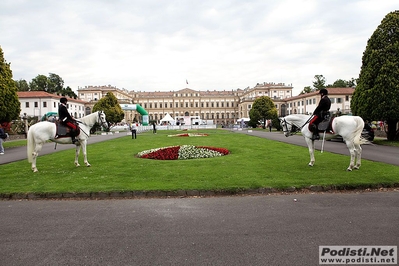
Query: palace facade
<point x="222" y="107"/>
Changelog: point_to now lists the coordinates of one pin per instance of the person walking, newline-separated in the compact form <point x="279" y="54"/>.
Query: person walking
<point x="134" y="130"/>
<point x="154" y="128"/>
<point x="270" y="125"/>
<point x="3" y="136"/>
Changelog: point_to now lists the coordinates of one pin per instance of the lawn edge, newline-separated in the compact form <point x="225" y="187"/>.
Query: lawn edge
<point x="198" y="193"/>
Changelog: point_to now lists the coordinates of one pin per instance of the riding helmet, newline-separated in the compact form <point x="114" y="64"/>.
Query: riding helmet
<point x="323" y="92"/>
<point x="63" y="100"/>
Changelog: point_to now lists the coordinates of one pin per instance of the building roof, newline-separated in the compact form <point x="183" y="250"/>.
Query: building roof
<point x="43" y="94"/>
<point x="331" y="91"/>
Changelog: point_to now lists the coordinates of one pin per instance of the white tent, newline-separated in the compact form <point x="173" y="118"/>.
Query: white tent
<point x="167" y="118"/>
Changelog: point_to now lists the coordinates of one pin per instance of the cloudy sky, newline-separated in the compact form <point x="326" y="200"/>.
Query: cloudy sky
<point x="156" y="45"/>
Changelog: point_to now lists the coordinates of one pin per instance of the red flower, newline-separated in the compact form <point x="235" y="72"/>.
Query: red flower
<point x="172" y="153"/>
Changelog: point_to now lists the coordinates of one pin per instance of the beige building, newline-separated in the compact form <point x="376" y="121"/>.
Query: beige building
<point x="189" y="106"/>
<point x="218" y="107"/>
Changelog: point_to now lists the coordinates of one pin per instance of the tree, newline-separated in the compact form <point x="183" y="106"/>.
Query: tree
<point x="40" y="83"/>
<point x="22" y="85"/>
<point x="10" y="107"/>
<point x="376" y="96"/>
<point x="55" y="83"/>
<point x="319" y="83"/>
<point x="339" y="83"/>
<point x="109" y="104"/>
<point x="263" y="109"/>
<point x="51" y="84"/>
<point x="306" y="89"/>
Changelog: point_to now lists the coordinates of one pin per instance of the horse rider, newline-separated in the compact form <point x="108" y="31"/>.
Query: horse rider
<point x="66" y="119"/>
<point x="319" y="113"/>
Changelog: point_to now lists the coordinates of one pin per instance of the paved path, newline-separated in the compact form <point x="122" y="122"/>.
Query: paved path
<point x="19" y="153"/>
<point x="232" y="231"/>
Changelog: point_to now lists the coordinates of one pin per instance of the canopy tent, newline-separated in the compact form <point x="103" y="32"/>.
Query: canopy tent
<point x="47" y="115"/>
<point x="167" y="118"/>
<point x="245" y="119"/>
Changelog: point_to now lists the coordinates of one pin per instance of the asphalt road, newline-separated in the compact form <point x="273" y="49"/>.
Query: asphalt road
<point x="251" y="230"/>
<point x="19" y="153"/>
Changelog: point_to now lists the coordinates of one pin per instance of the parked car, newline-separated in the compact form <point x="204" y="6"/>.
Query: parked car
<point x="367" y="133"/>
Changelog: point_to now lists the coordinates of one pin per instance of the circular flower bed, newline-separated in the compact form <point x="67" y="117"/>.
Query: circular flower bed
<point x="189" y="135"/>
<point x="183" y="152"/>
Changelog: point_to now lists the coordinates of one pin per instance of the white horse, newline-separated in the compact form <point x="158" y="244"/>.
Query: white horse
<point x="348" y="127"/>
<point x="41" y="132"/>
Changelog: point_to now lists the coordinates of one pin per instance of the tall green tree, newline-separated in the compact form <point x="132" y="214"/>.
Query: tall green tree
<point x="319" y="83"/>
<point x="10" y="108"/>
<point x="377" y="93"/>
<point x="263" y="109"/>
<point x="39" y="83"/>
<point x="306" y="89"/>
<point x="22" y="85"/>
<point x="339" y="83"/>
<point x="54" y="83"/>
<point x="51" y="84"/>
<point x="109" y="104"/>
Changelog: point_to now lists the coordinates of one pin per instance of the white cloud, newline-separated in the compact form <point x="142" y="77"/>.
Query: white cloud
<point x="157" y="45"/>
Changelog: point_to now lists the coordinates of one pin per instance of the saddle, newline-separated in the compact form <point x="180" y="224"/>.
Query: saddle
<point x="326" y="124"/>
<point x="63" y="131"/>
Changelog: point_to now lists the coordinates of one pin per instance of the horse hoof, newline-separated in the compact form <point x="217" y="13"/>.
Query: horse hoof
<point x="310" y="164"/>
<point x="88" y="165"/>
<point x="349" y="170"/>
<point x="35" y="170"/>
<point x="77" y="165"/>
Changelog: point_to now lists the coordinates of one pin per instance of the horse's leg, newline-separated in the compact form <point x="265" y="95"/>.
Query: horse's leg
<point x="35" y="153"/>
<point x="358" y="150"/>
<point x="84" y="150"/>
<point x="77" y="152"/>
<point x="352" y="152"/>
<point x="310" y="144"/>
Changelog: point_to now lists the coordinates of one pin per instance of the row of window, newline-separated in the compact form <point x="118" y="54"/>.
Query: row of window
<point x="313" y="101"/>
<point x="44" y="105"/>
<point x="187" y="105"/>
<point x="203" y="116"/>
<point x="36" y="104"/>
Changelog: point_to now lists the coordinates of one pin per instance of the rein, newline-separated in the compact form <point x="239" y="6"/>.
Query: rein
<point x="297" y="129"/>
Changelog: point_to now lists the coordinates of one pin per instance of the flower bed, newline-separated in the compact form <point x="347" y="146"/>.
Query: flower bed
<point x="183" y="152"/>
<point x="189" y="135"/>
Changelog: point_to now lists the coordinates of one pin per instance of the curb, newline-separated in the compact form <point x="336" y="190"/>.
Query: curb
<point x="196" y="193"/>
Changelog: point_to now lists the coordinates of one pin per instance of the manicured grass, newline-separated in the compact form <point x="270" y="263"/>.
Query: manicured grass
<point x="253" y="163"/>
<point x="14" y="143"/>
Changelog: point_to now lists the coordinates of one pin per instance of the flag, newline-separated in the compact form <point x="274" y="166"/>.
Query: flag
<point x="186" y="81"/>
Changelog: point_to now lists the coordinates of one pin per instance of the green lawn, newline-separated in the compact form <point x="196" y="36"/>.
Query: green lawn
<point x="253" y="163"/>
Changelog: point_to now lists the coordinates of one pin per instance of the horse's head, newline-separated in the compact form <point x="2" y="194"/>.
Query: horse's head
<point x="287" y="127"/>
<point x="101" y="119"/>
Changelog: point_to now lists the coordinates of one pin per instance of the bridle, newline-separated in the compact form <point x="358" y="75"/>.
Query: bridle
<point x="294" y="128"/>
<point x="100" y="118"/>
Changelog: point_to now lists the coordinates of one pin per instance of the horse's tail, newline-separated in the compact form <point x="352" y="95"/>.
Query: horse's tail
<point x="358" y="131"/>
<point x="30" y="145"/>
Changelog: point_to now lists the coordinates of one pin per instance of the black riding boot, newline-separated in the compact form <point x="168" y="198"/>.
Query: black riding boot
<point x="73" y="136"/>
<point x="315" y="135"/>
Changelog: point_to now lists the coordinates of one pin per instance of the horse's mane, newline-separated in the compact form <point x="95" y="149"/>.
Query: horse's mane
<point x="89" y="119"/>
